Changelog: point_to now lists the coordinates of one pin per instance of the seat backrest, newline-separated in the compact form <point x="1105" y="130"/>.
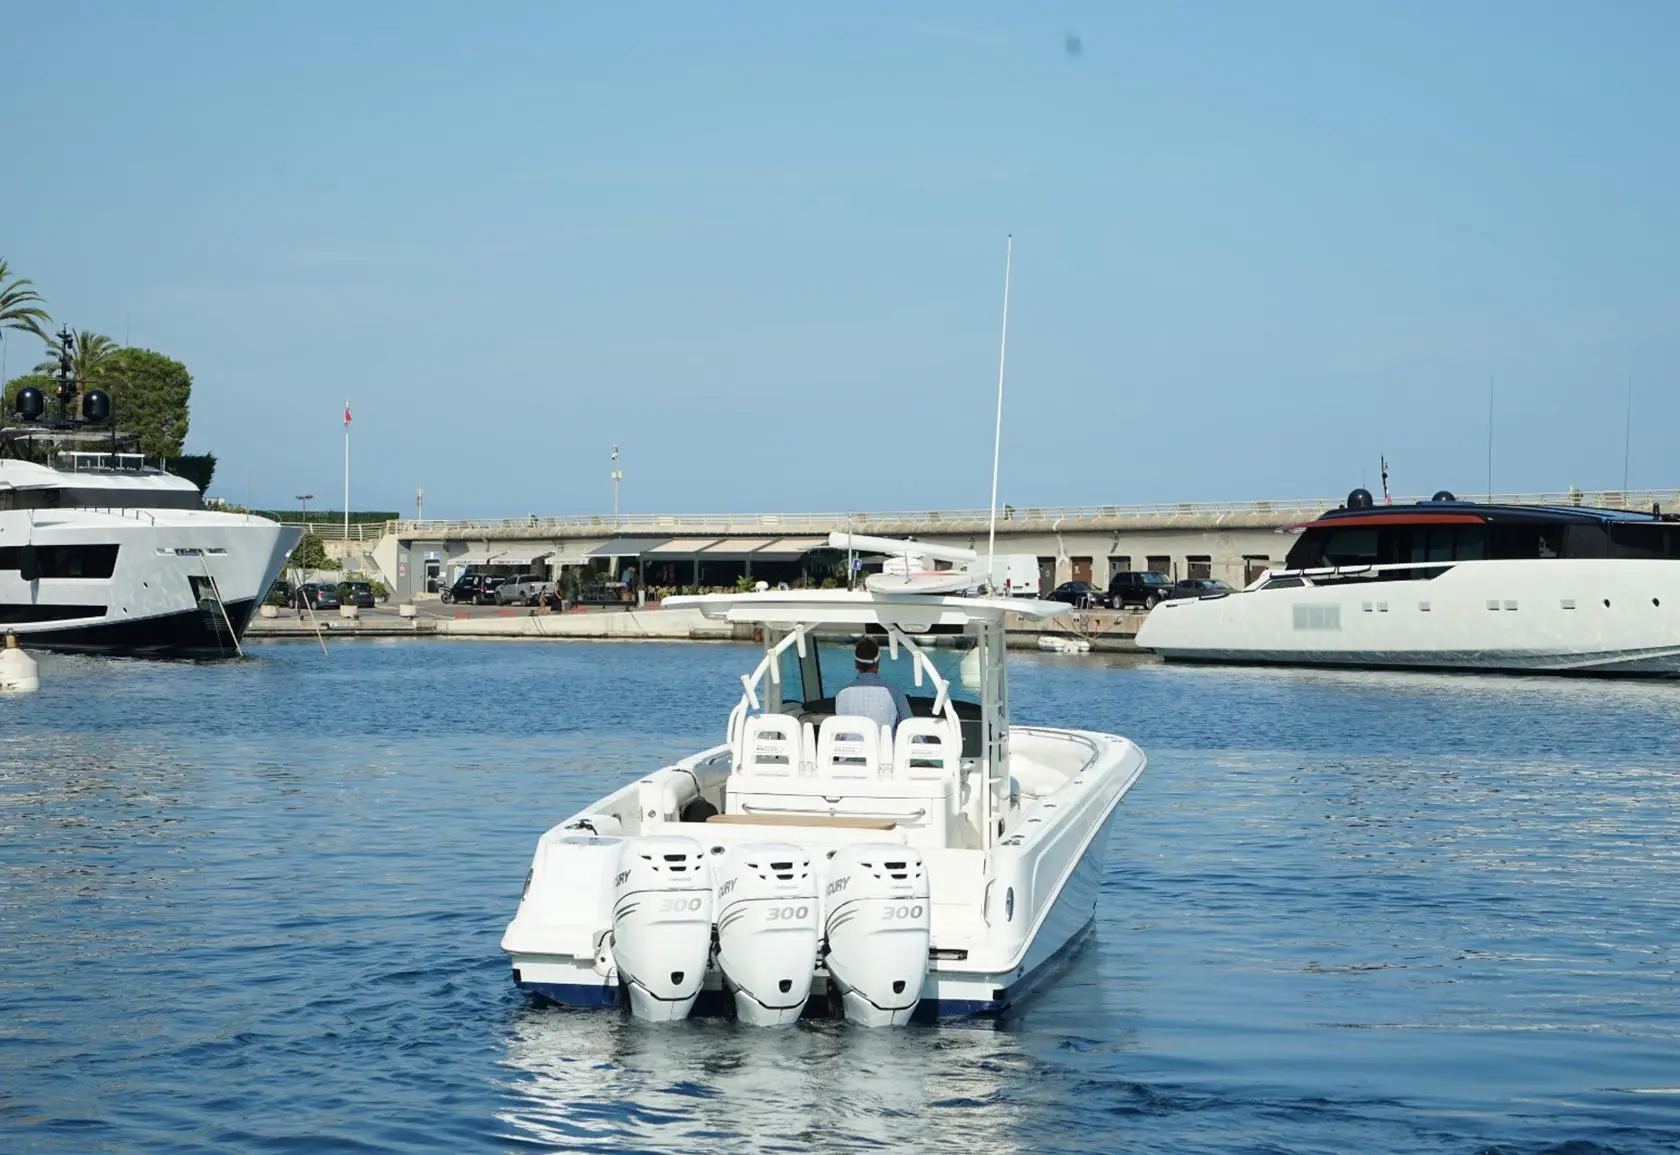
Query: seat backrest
<point x="849" y="746"/>
<point x="926" y="748"/>
<point x="770" y="745"/>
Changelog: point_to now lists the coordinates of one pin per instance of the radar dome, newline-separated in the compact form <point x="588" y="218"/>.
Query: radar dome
<point x="1443" y="495"/>
<point x="1360" y="499"/>
<point x="31" y="403"/>
<point x="96" y="406"/>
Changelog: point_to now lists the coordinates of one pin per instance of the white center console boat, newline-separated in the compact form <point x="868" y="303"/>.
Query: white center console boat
<point x="821" y="863"/>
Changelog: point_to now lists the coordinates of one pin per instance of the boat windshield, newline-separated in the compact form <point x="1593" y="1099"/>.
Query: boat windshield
<point x="834" y="670"/>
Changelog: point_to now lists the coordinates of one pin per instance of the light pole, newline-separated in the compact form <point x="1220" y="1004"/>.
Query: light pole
<point x="305" y="499"/>
<point x="419" y="504"/>
<point x="617" y="476"/>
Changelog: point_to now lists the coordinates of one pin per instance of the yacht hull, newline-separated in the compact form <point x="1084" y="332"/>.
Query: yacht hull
<point x="1557" y="616"/>
<point x="184" y="583"/>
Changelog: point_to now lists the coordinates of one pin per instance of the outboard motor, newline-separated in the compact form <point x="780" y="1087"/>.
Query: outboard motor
<point x="662" y="924"/>
<point x="768" y="927"/>
<point x="877" y="920"/>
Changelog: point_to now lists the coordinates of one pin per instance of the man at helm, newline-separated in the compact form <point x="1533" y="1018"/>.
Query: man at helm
<point x="869" y="695"/>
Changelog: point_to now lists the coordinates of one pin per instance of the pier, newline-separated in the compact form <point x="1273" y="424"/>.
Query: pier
<point x="1107" y="631"/>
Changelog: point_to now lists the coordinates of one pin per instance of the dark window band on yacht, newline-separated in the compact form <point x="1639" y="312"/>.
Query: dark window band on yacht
<point x="82" y="497"/>
<point x="63" y="561"/>
<point x="41" y="613"/>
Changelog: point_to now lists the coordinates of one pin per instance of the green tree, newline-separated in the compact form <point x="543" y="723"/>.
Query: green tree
<point x="311" y="553"/>
<point x="20" y="306"/>
<point x="89" y="361"/>
<point x="40" y="380"/>
<point x="150" y="395"/>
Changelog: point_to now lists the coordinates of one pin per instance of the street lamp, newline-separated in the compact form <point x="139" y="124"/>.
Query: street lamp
<point x="617" y="476"/>
<point x="305" y="499"/>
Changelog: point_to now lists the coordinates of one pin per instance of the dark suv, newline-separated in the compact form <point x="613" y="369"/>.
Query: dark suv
<point x="1138" y="588"/>
<point x="474" y="589"/>
<point x="1081" y="595"/>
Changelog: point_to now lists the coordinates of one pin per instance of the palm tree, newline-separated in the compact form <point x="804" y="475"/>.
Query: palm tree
<point x="18" y="305"/>
<point x="88" y="360"/>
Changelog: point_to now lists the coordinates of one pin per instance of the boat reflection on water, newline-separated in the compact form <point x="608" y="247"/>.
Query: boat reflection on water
<point x="590" y="1080"/>
<point x="585" y="1080"/>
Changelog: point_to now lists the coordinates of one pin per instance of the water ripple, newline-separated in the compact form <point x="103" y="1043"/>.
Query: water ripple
<point x="255" y="907"/>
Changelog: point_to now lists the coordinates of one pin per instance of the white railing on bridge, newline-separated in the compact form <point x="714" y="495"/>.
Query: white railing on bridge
<point x="370" y="531"/>
<point x="931" y="521"/>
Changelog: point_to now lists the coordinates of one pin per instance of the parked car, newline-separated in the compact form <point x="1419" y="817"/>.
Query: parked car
<point x="487" y="587"/>
<point x="316" y="596"/>
<point x="1084" y="595"/>
<point x="356" y="593"/>
<point x="1138" y="588"/>
<point x="524" y="590"/>
<point x="474" y="589"/>
<point x="1199" y="588"/>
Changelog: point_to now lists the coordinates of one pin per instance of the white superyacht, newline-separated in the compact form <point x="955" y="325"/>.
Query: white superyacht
<point x="1449" y="584"/>
<point x="104" y="552"/>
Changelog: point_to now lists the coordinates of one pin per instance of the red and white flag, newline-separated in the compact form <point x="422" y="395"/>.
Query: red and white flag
<point x="347" y="415"/>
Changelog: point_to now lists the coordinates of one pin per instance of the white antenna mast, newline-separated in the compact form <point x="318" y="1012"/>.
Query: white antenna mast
<point x="1627" y="443"/>
<point x="997" y="434"/>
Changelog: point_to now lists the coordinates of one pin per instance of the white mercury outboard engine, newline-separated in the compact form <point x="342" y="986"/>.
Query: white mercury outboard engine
<point x="768" y="929"/>
<point x="662" y="924"/>
<point x="877" y="920"/>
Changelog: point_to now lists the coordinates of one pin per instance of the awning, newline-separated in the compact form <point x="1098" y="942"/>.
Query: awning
<point x="684" y="545"/>
<point x="469" y="559"/>
<point x="736" y="548"/>
<point x="515" y="557"/>
<point x="572" y="555"/>
<point x="627" y="546"/>
<point x="790" y="548"/>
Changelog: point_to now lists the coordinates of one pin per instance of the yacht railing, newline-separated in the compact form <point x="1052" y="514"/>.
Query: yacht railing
<point x="145" y="515"/>
<point x="85" y="461"/>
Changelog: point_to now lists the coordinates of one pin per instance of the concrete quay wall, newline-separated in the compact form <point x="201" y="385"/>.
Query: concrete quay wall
<point x="1105" y="630"/>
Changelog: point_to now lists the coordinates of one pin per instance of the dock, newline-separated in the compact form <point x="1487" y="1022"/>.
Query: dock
<point x="1107" y="630"/>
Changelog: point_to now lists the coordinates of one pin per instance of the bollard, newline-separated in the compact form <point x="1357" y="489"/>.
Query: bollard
<point x="406" y="610"/>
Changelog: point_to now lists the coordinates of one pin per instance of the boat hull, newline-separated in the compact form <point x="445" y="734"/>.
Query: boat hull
<point x="1005" y="960"/>
<point x="1558" y="616"/>
<point x="184" y="583"/>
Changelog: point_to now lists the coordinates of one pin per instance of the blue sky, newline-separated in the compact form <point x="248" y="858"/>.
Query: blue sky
<point x="760" y="246"/>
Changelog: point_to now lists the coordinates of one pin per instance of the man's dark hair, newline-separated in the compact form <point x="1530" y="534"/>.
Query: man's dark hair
<point x="868" y="652"/>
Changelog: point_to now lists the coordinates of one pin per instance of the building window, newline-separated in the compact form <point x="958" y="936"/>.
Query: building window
<point x="1081" y="569"/>
<point x="1198" y="567"/>
<point x="1161" y="565"/>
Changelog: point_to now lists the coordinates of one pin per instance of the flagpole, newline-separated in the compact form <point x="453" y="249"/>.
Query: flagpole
<point x="346" y="469"/>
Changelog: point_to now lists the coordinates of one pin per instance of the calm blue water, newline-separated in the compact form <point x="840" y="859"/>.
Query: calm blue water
<point x="255" y="907"/>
